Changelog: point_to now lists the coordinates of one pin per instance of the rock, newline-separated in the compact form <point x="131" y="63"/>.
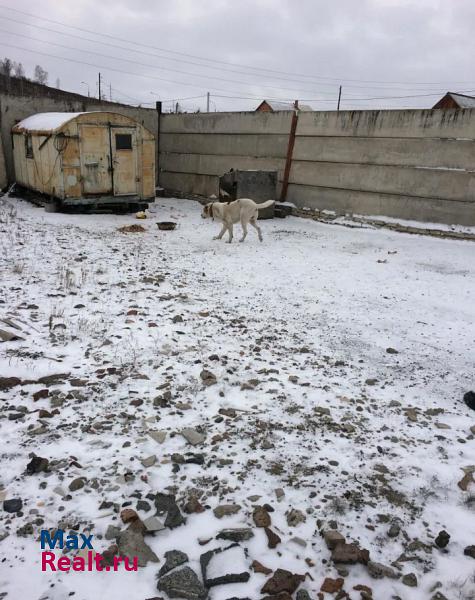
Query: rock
<point x="158" y="436"/>
<point x="469" y="550"/>
<point x="225" y="510"/>
<point x="349" y="554"/>
<point x="128" y="515"/>
<point x="438" y="596"/>
<point x="224" y="566"/>
<point x="76" y="484"/>
<point x="302" y="595"/>
<point x="392" y="350"/>
<point x="466" y="481"/>
<point x="193" y="506"/>
<point x="37" y="465"/>
<point x="152" y="524"/>
<point x="143" y="505"/>
<point x="295" y="517"/>
<point x="378" y="571"/>
<point x="442" y="539"/>
<point x="468" y="398"/>
<point x="409" y="579"/>
<point x="149" y="461"/>
<point x="49" y="380"/>
<point x="394" y="530"/>
<point x="299" y="541"/>
<point x="332" y="538"/>
<point x="7" y="383"/>
<point x="193" y="436"/>
<point x="282" y="581"/>
<point x="112" y="532"/>
<point x="183" y="583"/>
<point x="173" y="559"/>
<point x="371" y="381"/>
<point x="167" y="504"/>
<point x="279" y="494"/>
<point x="332" y="586"/>
<point x="109" y="554"/>
<point x="208" y="378"/>
<point x="261" y="517"/>
<point x="260" y="568"/>
<point x="131" y="544"/>
<point x="177" y="319"/>
<point x="272" y="538"/>
<point x="280" y="596"/>
<point x="235" y="535"/>
<point x="40" y="394"/>
<point x="13" y="506"/>
<point x="228" y="412"/>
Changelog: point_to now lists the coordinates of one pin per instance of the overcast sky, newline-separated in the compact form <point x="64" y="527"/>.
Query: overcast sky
<point x="148" y="50"/>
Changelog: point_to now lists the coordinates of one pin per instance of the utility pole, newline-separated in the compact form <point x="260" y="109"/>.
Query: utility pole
<point x="110" y="92"/>
<point x="207" y="102"/>
<point x="100" y="95"/>
<point x="339" y="98"/>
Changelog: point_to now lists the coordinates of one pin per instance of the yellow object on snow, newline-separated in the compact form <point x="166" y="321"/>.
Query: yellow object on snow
<point x="141" y="215"/>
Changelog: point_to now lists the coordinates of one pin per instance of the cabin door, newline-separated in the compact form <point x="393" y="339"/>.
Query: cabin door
<point x="124" y="160"/>
<point x="96" y="170"/>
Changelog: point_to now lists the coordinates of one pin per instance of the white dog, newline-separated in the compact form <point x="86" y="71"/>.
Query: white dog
<point x="243" y="210"/>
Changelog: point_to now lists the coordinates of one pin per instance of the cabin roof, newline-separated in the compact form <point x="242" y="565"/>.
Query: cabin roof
<point x="47" y="122"/>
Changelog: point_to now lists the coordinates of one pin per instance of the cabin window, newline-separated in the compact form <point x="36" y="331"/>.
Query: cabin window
<point x="28" y="146"/>
<point x="123" y="141"/>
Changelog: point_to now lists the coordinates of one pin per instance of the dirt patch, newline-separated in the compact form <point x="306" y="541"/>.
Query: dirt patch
<point x="131" y="229"/>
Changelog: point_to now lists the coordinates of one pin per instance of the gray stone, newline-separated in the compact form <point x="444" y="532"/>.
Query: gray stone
<point x="394" y="530"/>
<point x="378" y="571"/>
<point x="76" y="484"/>
<point x="295" y="517"/>
<point x="183" y="583"/>
<point x="235" y="535"/>
<point x="442" y="539"/>
<point x="225" y="510"/>
<point x="167" y="504"/>
<point x="152" y="524"/>
<point x="158" y="436"/>
<point x="192" y="436"/>
<point x="409" y="579"/>
<point x="299" y="541"/>
<point x="12" y="506"/>
<point x="112" y="532"/>
<point x="333" y="538"/>
<point x="223" y="566"/>
<point x="173" y="559"/>
<point x="303" y="595"/>
<point x="149" y="461"/>
<point x="131" y="544"/>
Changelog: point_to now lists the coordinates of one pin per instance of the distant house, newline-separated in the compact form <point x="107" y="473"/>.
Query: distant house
<point x="273" y="106"/>
<point x="453" y="100"/>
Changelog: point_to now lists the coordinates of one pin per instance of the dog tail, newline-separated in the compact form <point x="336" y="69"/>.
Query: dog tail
<point x="265" y="204"/>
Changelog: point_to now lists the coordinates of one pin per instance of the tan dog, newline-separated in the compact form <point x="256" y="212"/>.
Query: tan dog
<point x="243" y="210"/>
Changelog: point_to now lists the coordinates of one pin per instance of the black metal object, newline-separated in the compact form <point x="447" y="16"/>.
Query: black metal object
<point x="260" y="186"/>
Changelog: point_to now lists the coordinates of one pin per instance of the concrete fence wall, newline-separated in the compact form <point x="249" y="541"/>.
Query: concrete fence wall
<point x="21" y="98"/>
<point x="409" y="164"/>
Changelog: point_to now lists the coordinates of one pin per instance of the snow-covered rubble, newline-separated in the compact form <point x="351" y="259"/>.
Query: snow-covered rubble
<point x="265" y="395"/>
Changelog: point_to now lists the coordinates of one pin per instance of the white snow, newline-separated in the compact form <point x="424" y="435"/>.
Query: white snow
<point x="314" y="300"/>
<point x="46" y="122"/>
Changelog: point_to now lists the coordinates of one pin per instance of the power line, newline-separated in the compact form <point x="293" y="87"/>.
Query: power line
<point x="216" y="61"/>
<point x="135" y="62"/>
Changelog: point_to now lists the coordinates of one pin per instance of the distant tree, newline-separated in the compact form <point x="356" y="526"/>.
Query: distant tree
<point x="58" y="83"/>
<point x="6" y="67"/>
<point x="19" y="70"/>
<point x="41" y="76"/>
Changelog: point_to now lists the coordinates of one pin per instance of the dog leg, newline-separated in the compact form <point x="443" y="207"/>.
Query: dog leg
<point x="221" y="233"/>
<point x="230" y="230"/>
<point x="257" y="228"/>
<point x="244" y="230"/>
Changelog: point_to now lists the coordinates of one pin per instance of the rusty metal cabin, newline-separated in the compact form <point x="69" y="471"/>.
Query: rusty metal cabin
<point x="86" y="159"/>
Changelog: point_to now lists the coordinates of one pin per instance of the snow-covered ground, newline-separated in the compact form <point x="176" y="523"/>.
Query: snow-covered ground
<point x="296" y="331"/>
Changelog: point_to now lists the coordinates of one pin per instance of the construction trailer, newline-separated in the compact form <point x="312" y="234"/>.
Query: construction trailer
<point x="90" y="160"/>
